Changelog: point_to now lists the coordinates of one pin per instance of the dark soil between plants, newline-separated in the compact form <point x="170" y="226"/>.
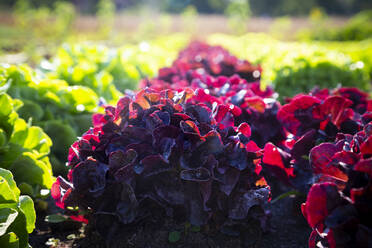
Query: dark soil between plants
<point x="288" y="229"/>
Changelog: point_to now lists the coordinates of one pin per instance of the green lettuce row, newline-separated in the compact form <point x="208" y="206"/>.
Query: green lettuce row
<point x="63" y="111"/>
<point x="60" y="95"/>
<point x="17" y="213"/>
<point x="111" y="71"/>
<point x="84" y="65"/>
<point x="357" y="28"/>
<point x="294" y="67"/>
<point x="24" y="149"/>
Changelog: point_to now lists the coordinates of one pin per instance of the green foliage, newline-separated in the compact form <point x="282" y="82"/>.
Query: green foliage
<point x="109" y="71"/>
<point x="259" y="7"/>
<point x="189" y="16"/>
<point x="301" y="8"/>
<point x="358" y="27"/>
<point x="358" y="51"/>
<point x="86" y="65"/>
<point x="17" y="213"/>
<point x="56" y="218"/>
<point x="61" y="134"/>
<point x="24" y="148"/>
<point x="38" y="38"/>
<point x="195" y="229"/>
<point x="106" y="17"/>
<point x="293" y="67"/>
<point x="174" y="236"/>
<point x="238" y="12"/>
<point x="317" y="15"/>
<point x="62" y="110"/>
<point x="280" y="27"/>
<point x="303" y="74"/>
<point x="294" y="7"/>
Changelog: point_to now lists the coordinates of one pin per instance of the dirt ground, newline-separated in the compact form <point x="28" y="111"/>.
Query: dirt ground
<point x="288" y="229"/>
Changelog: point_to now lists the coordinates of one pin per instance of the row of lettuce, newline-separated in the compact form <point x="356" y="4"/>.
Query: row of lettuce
<point x="53" y="104"/>
<point x="57" y="99"/>
<point x="294" y="67"/>
<point x="203" y="142"/>
<point x="24" y="151"/>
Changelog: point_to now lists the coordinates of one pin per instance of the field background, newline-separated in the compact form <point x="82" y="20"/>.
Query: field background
<point x="60" y="61"/>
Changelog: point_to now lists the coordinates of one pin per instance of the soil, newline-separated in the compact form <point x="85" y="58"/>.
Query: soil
<point x="288" y="229"/>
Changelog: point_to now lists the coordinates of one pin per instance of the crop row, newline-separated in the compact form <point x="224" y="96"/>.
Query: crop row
<point x="203" y="142"/>
<point x="207" y="134"/>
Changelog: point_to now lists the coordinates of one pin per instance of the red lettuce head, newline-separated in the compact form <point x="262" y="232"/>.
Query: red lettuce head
<point x="359" y="98"/>
<point x="314" y="119"/>
<point x="222" y="78"/>
<point x="338" y="209"/>
<point x="215" y="61"/>
<point x="202" y="61"/>
<point x="345" y="110"/>
<point x="289" y="163"/>
<point x="159" y="151"/>
<point x="252" y="104"/>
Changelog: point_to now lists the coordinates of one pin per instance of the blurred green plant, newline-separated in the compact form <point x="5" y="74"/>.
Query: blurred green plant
<point x="63" y="111"/>
<point x="359" y="27"/>
<point x="218" y="5"/>
<point x="189" y="16"/>
<point x="289" y="7"/>
<point x="318" y="20"/>
<point x="17" y="213"/>
<point x="293" y="67"/>
<point x="147" y="29"/>
<point x="111" y="71"/>
<point x="165" y="22"/>
<point x="318" y="15"/>
<point x="305" y="73"/>
<point x="358" y="51"/>
<point x="44" y="29"/>
<point x="238" y="13"/>
<point x="24" y="149"/>
<point x="106" y="17"/>
<point x="281" y="27"/>
<point x="85" y="65"/>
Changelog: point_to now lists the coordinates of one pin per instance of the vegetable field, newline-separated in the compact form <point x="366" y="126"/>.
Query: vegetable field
<point x="176" y="140"/>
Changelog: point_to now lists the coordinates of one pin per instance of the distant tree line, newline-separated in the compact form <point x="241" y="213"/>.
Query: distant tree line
<point x="258" y="7"/>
